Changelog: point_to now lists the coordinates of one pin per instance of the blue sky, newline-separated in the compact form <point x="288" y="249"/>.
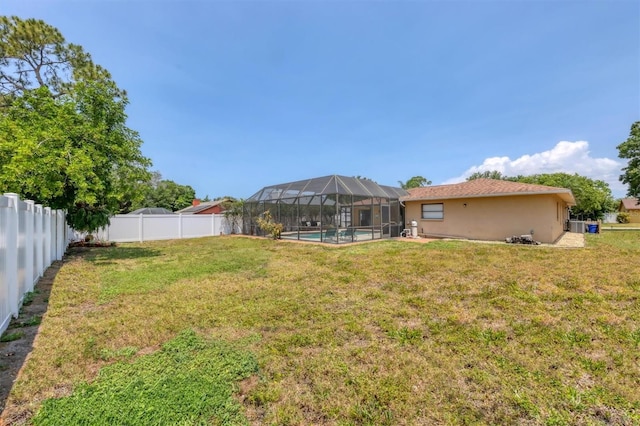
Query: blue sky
<point x="230" y="96"/>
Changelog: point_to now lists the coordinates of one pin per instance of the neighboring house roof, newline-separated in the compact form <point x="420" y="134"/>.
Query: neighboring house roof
<point x="200" y="207"/>
<point x="630" y="203"/>
<point x="151" y="210"/>
<point x="485" y="188"/>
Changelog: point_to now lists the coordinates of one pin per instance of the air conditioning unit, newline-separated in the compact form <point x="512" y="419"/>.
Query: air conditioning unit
<point x="576" y="226"/>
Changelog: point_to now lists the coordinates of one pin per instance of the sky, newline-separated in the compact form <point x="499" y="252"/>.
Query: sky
<point x="230" y="96"/>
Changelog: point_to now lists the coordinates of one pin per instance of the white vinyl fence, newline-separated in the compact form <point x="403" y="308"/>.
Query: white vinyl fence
<point x="147" y="227"/>
<point x="31" y="238"/>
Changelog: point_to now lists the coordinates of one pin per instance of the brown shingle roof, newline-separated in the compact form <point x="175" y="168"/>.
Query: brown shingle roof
<point x="202" y="206"/>
<point x="485" y="188"/>
<point x="630" y="203"/>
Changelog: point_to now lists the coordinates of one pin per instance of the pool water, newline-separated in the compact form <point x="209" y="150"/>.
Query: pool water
<point x="317" y="236"/>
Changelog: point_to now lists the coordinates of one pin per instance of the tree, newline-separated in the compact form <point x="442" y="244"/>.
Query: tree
<point x="364" y="178"/>
<point x="63" y="135"/>
<point x="414" y="182"/>
<point x="233" y="211"/>
<point x="630" y="149"/>
<point x="170" y="195"/>
<point x="493" y="174"/>
<point x="158" y="192"/>
<point x="593" y="197"/>
<point x="34" y="54"/>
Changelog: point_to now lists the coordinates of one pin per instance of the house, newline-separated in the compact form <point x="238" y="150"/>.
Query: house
<point x="631" y="206"/>
<point x="489" y="209"/>
<point x="204" y="207"/>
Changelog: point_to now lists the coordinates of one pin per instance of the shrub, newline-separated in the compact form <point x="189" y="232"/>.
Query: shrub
<point x="623" y="217"/>
<point x="270" y="227"/>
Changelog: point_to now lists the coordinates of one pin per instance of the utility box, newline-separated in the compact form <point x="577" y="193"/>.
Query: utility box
<point x="577" y="226"/>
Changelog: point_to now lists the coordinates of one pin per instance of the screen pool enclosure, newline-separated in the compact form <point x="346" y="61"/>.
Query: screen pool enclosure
<point x="331" y="209"/>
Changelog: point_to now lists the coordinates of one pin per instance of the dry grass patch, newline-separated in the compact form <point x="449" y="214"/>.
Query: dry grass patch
<point x="385" y="333"/>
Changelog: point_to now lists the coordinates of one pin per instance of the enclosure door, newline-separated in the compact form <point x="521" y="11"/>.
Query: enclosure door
<point x="386" y="225"/>
<point x="365" y="217"/>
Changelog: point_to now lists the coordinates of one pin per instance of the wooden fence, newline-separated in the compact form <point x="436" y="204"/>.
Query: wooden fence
<point x="31" y="238"/>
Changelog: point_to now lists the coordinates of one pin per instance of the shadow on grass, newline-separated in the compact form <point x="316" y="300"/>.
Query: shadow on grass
<point x="24" y="330"/>
<point x="104" y="255"/>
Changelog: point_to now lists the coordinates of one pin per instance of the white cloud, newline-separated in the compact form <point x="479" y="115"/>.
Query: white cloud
<point x="567" y="157"/>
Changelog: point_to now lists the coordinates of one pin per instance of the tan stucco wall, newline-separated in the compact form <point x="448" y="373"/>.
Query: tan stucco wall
<point x="494" y="218"/>
<point x="634" y="215"/>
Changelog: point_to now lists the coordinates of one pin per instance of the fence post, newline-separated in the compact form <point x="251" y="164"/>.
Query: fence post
<point x="52" y="238"/>
<point x="8" y="263"/>
<point x="30" y="278"/>
<point x="38" y="238"/>
<point x="180" y="225"/>
<point x="12" y="255"/>
<point x="65" y="231"/>
<point x="140" y="228"/>
<point x="46" y="246"/>
<point x="60" y="236"/>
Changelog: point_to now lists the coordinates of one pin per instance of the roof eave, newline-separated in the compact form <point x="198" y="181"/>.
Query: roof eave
<point x="566" y="196"/>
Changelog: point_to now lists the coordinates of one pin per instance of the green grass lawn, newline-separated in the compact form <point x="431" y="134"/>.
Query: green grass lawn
<point x="391" y="332"/>
<point x="621" y="225"/>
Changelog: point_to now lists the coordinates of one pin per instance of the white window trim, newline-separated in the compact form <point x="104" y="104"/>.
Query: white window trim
<point x="434" y="211"/>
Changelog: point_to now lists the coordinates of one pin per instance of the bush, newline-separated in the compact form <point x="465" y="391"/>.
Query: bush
<point x="623" y="217"/>
<point x="270" y="227"/>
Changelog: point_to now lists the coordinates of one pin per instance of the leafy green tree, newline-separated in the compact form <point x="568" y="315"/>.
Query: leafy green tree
<point x="158" y="192"/>
<point x="34" y="54"/>
<point x="63" y="135"/>
<point x="593" y="197"/>
<point x="170" y="195"/>
<point x="630" y="149"/>
<point x="492" y="174"/>
<point x="414" y="182"/>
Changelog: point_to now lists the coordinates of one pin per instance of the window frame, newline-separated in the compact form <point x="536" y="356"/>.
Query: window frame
<point x="440" y="210"/>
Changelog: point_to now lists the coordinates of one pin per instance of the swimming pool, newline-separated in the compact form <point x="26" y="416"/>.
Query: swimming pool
<point x="358" y="235"/>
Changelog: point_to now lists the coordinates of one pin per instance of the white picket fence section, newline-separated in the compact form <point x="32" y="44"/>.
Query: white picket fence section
<point x="148" y="227"/>
<point x="31" y="238"/>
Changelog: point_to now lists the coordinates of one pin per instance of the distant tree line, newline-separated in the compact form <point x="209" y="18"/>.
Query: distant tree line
<point x="593" y="197"/>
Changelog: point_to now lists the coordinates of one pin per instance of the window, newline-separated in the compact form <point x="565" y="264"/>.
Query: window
<point x="433" y="211"/>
